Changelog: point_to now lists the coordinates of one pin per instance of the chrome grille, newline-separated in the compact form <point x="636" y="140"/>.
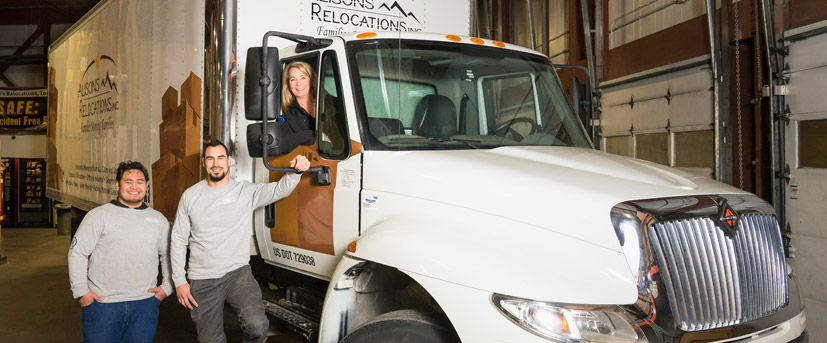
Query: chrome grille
<point x="716" y="281"/>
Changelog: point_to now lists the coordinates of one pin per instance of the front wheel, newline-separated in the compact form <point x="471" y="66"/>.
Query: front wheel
<point x="402" y="326"/>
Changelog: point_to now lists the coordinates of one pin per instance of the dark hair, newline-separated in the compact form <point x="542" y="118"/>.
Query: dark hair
<point x="214" y="143"/>
<point x="131" y="165"/>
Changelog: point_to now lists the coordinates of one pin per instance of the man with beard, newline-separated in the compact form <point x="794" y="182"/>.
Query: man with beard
<point x="113" y="263"/>
<point x="214" y="217"/>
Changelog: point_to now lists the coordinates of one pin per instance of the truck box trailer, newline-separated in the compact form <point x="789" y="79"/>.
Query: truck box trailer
<point x="455" y="195"/>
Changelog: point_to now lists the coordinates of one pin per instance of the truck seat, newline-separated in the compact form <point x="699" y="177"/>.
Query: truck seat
<point x="435" y="116"/>
<point x="381" y="127"/>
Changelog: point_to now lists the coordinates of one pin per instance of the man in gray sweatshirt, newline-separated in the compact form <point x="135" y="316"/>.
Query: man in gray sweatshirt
<point x="113" y="263"/>
<point x="215" y="217"/>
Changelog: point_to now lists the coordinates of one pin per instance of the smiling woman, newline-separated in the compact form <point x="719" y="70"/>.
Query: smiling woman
<point x="298" y="95"/>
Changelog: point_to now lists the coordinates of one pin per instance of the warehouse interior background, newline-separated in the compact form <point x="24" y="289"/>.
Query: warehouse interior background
<point x="741" y="100"/>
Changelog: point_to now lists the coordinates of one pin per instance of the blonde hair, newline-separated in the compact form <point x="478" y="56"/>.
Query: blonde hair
<point x="287" y="96"/>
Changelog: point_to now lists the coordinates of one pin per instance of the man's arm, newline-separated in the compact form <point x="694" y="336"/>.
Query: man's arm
<point x="179" y="238"/>
<point x="165" y="288"/>
<point x="268" y="193"/>
<point x="83" y="244"/>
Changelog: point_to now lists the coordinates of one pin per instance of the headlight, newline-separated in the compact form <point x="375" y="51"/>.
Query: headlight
<point x="570" y="323"/>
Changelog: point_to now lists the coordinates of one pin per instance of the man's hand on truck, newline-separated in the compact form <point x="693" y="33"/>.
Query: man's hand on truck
<point x="300" y="163"/>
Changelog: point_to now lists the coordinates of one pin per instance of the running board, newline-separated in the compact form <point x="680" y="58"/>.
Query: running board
<point x="292" y="320"/>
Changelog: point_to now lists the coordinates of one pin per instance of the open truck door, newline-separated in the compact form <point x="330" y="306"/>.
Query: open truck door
<point x="298" y="231"/>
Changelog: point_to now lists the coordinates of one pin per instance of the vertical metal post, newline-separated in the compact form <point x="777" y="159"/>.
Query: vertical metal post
<point x="474" y="20"/>
<point x="500" y="21"/>
<point x="725" y="108"/>
<point x="530" y="11"/>
<point x="546" y="48"/>
<point x="597" y="108"/>
<point x="584" y="8"/>
<point x="220" y="77"/>
<point x="775" y="65"/>
<point x="47" y="40"/>
<point x="488" y="20"/>
<point x="598" y="40"/>
<point x="720" y="125"/>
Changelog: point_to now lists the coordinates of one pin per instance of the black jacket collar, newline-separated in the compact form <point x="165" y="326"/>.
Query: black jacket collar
<point x="119" y="204"/>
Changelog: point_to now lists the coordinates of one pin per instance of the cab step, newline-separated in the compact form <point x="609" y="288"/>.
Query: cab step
<point x="292" y="319"/>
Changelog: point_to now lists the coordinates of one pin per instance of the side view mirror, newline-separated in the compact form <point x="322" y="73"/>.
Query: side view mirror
<point x="578" y="101"/>
<point x="582" y="95"/>
<point x="254" y="139"/>
<point x="255" y="83"/>
<point x="261" y="101"/>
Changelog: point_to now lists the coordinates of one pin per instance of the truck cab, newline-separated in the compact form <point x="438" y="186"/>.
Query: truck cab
<point x="461" y="199"/>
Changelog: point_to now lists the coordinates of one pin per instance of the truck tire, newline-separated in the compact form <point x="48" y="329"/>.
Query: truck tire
<point x="410" y="326"/>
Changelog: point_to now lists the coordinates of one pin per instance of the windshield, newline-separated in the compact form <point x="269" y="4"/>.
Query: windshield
<point x="416" y="95"/>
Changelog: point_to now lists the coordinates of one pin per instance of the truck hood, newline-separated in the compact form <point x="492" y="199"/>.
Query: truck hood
<point x="569" y="191"/>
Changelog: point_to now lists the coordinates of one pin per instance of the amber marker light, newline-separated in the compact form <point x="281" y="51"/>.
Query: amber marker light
<point x="352" y="247"/>
<point x="498" y="43"/>
<point x="477" y="40"/>
<point x="454" y="38"/>
<point x="366" y="35"/>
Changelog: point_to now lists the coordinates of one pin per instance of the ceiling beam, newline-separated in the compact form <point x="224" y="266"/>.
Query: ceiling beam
<point x="41" y="29"/>
<point x="23" y="59"/>
<point x="35" y="15"/>
<point x="6" y="81"/>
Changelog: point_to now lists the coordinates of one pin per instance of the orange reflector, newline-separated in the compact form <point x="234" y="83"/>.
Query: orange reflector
<point x="498" y="43"/>
<point x="477" y="40"/>
<point x="366" y="35"/>
<point x="453" y="38"/>
<point x="352" y="247"/>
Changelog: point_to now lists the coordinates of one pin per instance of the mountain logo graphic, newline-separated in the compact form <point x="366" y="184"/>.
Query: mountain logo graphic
<point x="396" y="6"/>
<point x="107" y="81"/>
<point x="106" y="62"/>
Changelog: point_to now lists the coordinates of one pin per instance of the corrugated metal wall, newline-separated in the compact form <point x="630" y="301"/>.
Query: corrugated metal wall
<point x="630" y="20"/>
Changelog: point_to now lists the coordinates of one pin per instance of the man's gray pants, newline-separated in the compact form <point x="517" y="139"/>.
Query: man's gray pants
<point x="241" y="291"/>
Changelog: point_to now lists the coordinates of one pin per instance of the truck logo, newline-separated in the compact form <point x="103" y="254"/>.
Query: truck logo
<point x="97" y="84"/>
<point x="727" y="218"/>
<point x="399" y="8"/>
<point x="336" y="17"/>
<point x="98" y="95"/>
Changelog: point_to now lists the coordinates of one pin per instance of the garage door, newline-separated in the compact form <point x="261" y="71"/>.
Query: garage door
<point x="806" y="157"/>
<point x="666" y="119"/>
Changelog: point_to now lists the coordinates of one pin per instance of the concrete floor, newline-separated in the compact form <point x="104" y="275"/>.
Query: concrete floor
<point x="36" y="304"/>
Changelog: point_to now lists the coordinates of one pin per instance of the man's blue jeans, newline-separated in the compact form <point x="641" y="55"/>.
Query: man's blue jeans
<point x="128" y="321"/>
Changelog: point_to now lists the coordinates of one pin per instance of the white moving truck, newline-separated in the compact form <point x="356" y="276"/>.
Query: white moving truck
<point x="456" y="196"/>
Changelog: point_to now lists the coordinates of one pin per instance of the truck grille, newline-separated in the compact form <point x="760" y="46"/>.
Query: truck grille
<point x="716" y="281"/>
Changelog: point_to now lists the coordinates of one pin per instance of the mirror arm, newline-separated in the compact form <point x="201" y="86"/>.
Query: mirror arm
<point x="264" y="81"/>
<point x="322" y="172"/>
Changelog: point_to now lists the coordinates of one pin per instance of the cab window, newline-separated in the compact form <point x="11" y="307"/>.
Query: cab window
<point x="332" y="137"/>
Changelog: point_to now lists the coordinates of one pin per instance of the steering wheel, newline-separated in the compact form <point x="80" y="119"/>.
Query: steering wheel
<point x="505" y="128"/>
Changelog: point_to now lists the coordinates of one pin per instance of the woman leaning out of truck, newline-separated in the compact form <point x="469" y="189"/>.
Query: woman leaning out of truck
<point x="298" y="101"/>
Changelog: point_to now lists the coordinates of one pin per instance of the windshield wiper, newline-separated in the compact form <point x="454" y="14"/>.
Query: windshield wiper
<point x="467" y="142"/>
